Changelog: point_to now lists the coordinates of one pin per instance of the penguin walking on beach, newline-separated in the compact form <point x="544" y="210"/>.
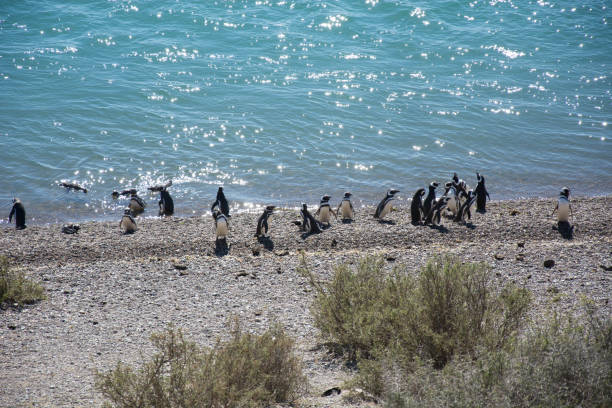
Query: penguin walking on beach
<point x="310" y="224"/>
<point x="221" y="203"/>
<point x="416" y="208"/>
<point x="262" y="222"/>
<point x="325" y="211"/>
<point x="431" y="197"/>
<point x="166" y="204"/>
<point x="127" y="223"/>
<point x="563" y="207"/>
<point x="221" y="225"/>
<point x="453" y="199"/>
<point x="435" y="214"/>
<point x="481" y="194"/>
<point x="466" y="207"/>
<point x="137" y="204"/>
<point x="346" y="208"/>
<point x="19" y="212"/>
<point x="386" y="204"/>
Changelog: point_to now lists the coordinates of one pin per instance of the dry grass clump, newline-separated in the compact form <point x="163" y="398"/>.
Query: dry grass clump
<point x="248" y="370"/>
<point x="16" y="288"/>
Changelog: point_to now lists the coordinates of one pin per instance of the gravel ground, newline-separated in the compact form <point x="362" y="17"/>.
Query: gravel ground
<point x="107" y="292"/>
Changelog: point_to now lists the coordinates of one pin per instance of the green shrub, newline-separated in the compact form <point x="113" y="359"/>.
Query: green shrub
<point x="246" y="371"/>
<point x="16" y="288"/>
<point x="450" y="308"/>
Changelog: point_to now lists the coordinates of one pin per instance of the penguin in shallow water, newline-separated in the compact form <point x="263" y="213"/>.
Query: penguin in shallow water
<point x="221" y="202"/>
<point x="429" y="200"/>
<point x="166" y="204"/>
<point x="346" y="208"/>
<point x="325" y="211"/>
<point x="309" y="223"/>
<point x="19" y="212"/>
<point x="262" y="222"/>
<point x="386" y="204"/>
<point x="137" y="204"/>
<point x="416" y="208"/>
<point x="221" y="225"/>
<point x="73" y="186"/>
<point x="481" y="194"/>
<point x="563" y="207"/>
<point x="127" y="223"/>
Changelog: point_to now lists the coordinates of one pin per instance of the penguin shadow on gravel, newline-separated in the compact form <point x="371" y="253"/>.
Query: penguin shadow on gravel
<point x="221" y="247"/>
<point x="387" y="222"/>
<point x="565" y="229"/>
<point x="440" y="228"/>
<point x="347" y="221"/>
<point x="266" y="242"/>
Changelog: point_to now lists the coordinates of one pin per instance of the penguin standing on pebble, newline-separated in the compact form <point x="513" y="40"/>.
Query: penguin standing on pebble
<point x="221" y="226"/>
<point x="430" y="199"/>
<point x="563" y="207"/>
<point x="262" y="222"/>
<point x="416" y="208"/>
<point x="19" y="212"/>
<point x="386" y="204"/>
<point x="127" y="223"/>
<point x="435" y="214"/>
<point x="346" y="208"/>
<point x="466" y="207"/>
<point x="325" y="211"/>
<point x="221" y="202"/>
<point x="481" y="194"/>
<point x="309" y="223"/>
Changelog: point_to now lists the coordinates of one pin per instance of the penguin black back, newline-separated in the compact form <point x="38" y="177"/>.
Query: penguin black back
<point x="416" y="208"/>
<point x="429" y="200"/>
<point x="19" y="212"/>
<point x="221" y="202"/>
<point x="311" y="224"/>
<point x="481" y="194"/>
<point x="166" y="204"/>
<point x="262" y="221"/>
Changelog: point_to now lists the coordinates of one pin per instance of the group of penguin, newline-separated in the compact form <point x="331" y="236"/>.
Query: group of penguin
<point x="456" y="203"/>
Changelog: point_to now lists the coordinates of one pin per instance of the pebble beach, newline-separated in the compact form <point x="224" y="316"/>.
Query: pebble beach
<point x="108" y="292"/>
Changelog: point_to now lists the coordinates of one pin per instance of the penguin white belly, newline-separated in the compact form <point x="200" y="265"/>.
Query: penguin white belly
<point x="451" y="205"/>
<point x="222" y="230"/>
<point x="386" y="210"/>
<point x="127" y="225"/>
<point x="136" y="207"/>
<point x="347" y="212"/>
<point x="563" y="211"/>
<point x="324" y="214"/>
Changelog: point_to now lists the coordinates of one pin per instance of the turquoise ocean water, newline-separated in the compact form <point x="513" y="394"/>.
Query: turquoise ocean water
<point x="283" y="101"/>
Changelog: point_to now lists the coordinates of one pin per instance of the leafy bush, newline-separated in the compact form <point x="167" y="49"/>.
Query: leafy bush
<point x="246" y="371"/>
<point x="448" y="309"/>
<point x="16" y="288"/>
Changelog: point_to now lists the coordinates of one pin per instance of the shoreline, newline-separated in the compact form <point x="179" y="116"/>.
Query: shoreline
<point x="108" y="292"/>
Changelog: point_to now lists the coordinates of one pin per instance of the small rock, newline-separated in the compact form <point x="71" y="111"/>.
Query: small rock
<point x="549" y="263"/>
<point x="499" y="257"/>
<point x="390" y="259"/>
<point x="257" y="313"/>
<point x="521" y="244"/>
<point x="334" y="243"/>
<point x="281" y="253"/>
<point x="241" y="273"/>
<point x="331" y="391"/>
<point x="528" y="276"/>
<point x="520" y="257"/>
<point x="606" y="268"/>
<point x="11" y="326"/>
<point x="180" y="267"/>
<point x="279" y="270"/>
<point x="94" y="322"/>
<point x="514" y="212"/>
<point x="256" y="251"/>
<point x="183" y="273"/>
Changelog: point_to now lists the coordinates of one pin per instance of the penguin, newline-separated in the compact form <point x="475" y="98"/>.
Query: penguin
<point x="137" y="204"/>
<point x="346" y="207"/>
<point x="416" y="208"/>
<point x="166" y="204"/>
<point x="127" y="224"/>
<point x="309" y="223"/>
<point x="262" y="222"/>
<point x="73" y="186"/>
<point x="453" y="198"/>
<point x="71" y="228"/>
<point x="435" y="214"/>
<point x="115" y="195"/>
<point x="455" y="178"/>
<point x="430" y="199"/>
<point x="465" y="208"/>
<point x="563" y="206"/>
<point x="221" y="202"/>
<point x="386" y="204"/>
<point x="221" y="225"/>
<point x="325" y="211"/>
<point x="481" y="194"/>
<point x="19" y="212"/>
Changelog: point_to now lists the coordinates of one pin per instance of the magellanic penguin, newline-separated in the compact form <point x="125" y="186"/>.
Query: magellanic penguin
<point x="128" y="224"/>
<point x="166" y="204"/>
<point x="466" y="207"/>
<point x="18" y="211"/>
<point x="221" y="202"/>
<point x="429" y="200"/>
<point x="563" y="207"/>
<point x="386" y="204"/>
<point x="137" y="204"/>
<point x="73" y="186"/>
<point x="309" y="223"/>
<point x="325" y="211"/>
<point x="453" y="199"/>
<point x="346" y="208"/>
<point x="221" y="225"/>
<point x="435" y="214"/>
<point x="416" y="208"/>
<point x="262" y="222"/>
<point x="481" y="194"/>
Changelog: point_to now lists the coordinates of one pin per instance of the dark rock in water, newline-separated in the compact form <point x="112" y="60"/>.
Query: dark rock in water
<point x="331" y="391"/>
<point x="549" y="263"/>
